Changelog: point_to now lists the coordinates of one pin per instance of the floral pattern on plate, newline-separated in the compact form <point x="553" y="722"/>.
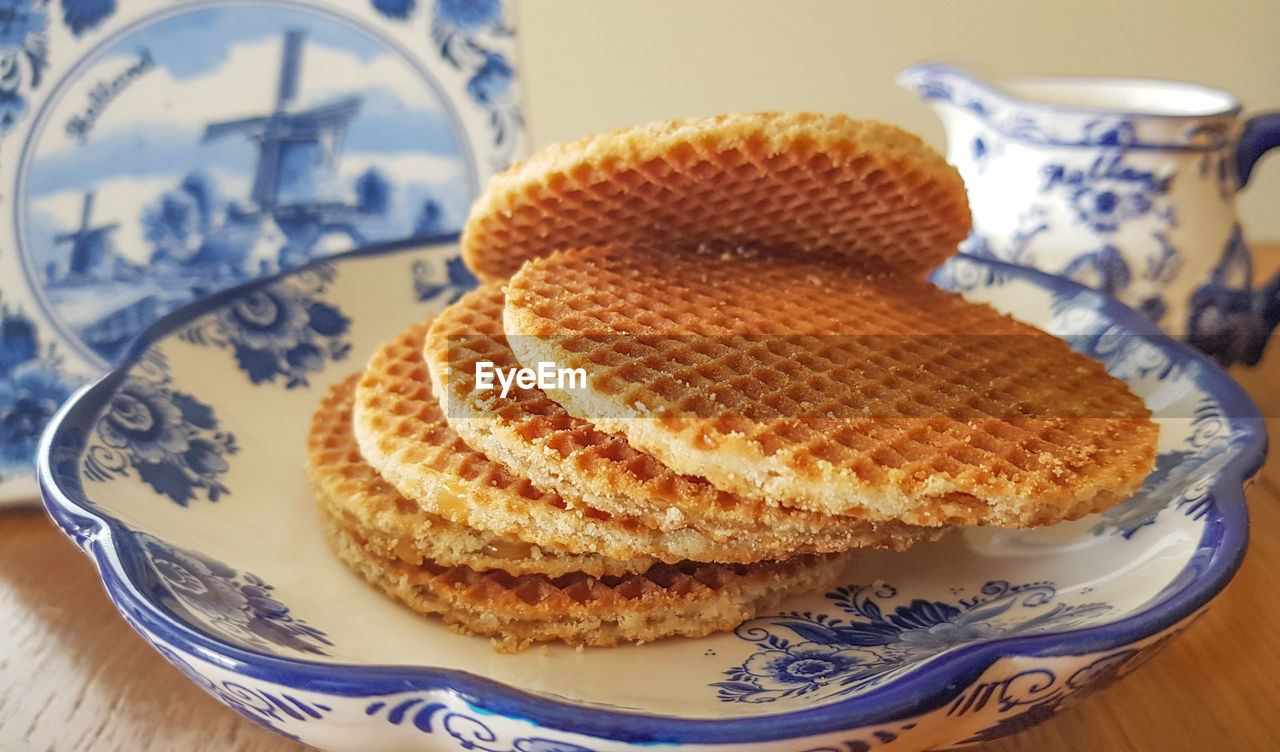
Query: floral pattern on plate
<point x="284" y="329"/>
<point x="236" y="606"/>
<point x="815" y="653"/>
<point x="170" y="439"/>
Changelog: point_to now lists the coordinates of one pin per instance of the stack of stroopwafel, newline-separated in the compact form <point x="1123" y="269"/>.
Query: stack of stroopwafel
<point x="767" y="383"/>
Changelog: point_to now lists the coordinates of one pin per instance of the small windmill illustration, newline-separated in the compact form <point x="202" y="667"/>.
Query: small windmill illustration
<point x="294" y="148"/>
<point x="89" y="244"/>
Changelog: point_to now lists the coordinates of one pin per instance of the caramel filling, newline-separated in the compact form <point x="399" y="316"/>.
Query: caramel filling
<point x="507" y="549"/>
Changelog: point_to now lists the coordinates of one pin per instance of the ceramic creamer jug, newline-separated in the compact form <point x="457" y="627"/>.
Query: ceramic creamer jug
<point x="1127" y="186"/>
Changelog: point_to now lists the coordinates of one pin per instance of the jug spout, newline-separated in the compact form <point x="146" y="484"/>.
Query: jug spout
<point x="949" y="88"/>
<point x="974" y="113"/>
<point x="939" y="83"/>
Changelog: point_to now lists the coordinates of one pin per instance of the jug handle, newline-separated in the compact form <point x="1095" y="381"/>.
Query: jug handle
<point x="1261" y="133"/>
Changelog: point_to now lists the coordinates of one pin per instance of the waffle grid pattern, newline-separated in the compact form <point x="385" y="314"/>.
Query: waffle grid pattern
<point x="934" y="430"/>
<point x="687" y="599"/>
<point x="351" y="490"/>
<point x="534" y="437"/>
<point x="403" y="433"/>
<point x="822" y="184"/>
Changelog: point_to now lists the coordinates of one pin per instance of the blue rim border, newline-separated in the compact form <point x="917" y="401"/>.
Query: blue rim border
<point x="927" y="688"/>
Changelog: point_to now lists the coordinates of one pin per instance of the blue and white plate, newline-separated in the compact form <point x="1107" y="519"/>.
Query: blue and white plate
<point x="156" y="151"/>
<point x="180" y="474"/>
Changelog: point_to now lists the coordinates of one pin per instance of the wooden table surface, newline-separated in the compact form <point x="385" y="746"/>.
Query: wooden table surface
<point x="74" y="676"/>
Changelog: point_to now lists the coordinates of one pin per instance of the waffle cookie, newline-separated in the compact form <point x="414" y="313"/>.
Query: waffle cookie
<point x="825" y="184"/>
<point x="686" y="598"/>
<point x="770" y="382"/>
<point x="403" y="434"/>
<point x="391" y="526"/>
<point x="515" y="592"/>
<point x="820" y="385"/>
<point x="534" y="437"/>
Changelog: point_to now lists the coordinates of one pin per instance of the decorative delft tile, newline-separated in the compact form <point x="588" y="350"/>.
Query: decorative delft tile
<point x="153" y="152"/>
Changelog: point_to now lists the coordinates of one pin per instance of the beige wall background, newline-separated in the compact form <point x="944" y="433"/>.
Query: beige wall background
<point x="592" y="65"/>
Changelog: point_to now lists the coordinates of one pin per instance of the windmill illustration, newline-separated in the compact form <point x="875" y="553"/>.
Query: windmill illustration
<point x="296" y="150"/>
<point x="89" y="244"/>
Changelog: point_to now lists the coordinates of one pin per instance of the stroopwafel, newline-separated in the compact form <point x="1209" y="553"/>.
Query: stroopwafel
<point x="403" y="433"/>
<point x="392" y="526"/>
<point x="687" y="598"/>
<point x="535" y="438"/>
<point x="824" y="184"/>
<point x="819" y="385"/>
<point x="516" y="593"/>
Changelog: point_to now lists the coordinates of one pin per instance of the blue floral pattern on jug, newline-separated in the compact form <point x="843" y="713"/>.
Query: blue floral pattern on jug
<point x="1109" y="193"/>
<point x="1105" y="197"/>
<point x="236" y="606"/>
<point x="284" y="329"/>
<point x="1030" y="224"/>
<point x="172" y="440"/>
<point x="836" y="656"/>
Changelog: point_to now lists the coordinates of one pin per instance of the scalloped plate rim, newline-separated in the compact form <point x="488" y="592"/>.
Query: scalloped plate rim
<point x="926" y="688"/>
